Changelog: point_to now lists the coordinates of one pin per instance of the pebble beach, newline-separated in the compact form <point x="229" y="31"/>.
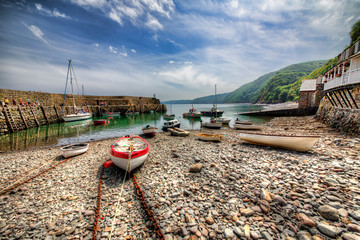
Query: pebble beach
<point x="197" y="190"/>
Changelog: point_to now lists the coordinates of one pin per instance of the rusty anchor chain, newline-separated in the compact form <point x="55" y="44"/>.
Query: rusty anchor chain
<point x="149" y="212"/>
<point x="97" y="212"/>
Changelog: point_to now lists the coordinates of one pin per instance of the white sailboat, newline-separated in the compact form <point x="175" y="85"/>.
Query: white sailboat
<point x="214" y="123"/>
<point x="79" y="114"/>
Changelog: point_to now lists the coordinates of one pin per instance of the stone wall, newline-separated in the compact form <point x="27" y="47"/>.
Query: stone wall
<point x="48" y="109"/>
<point x="342" y="119"/>
<point x="48" y="99"/>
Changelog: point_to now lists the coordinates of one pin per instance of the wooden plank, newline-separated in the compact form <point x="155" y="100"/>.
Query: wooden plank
<point x="22" y="117"/>
<point x="44" y="112"/>
<point x="37" y="122"/>
<point x="57" y="114"/>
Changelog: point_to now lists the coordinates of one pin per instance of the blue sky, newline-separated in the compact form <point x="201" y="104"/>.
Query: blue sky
<point x="174" y="49"/>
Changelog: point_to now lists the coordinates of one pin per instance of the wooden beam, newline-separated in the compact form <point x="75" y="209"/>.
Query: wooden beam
<point x="44" y="112"/>
<point x="37" y="122"/>
<point x="22" y="117"/>
<point x="330" y="100"/>
<point x="338" y="99"/>
<point x="352" y="99"/>
<point x="343" y="98"/>
<point x="57" y="114"/>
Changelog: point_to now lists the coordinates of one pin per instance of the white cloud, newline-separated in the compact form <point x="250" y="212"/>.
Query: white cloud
<point x="48" y="12"/>
<point x="133" y="50"/>
<point x="37" y="32"/>
<point x="96" y="45"/>
<point x="139" y="13"/>
<point x="113" y="50"/>
<point x="153" y="23"/>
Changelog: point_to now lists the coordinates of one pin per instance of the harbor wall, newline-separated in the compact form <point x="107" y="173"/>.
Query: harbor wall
<point x="46" y="108"/>
<point x="340" y="118"/>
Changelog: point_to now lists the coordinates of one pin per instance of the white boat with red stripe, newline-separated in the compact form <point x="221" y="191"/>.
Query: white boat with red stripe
<point x="129" y="152"/>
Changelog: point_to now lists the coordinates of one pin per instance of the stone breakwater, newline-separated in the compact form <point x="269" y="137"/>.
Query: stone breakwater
<point x="234" y="190"/>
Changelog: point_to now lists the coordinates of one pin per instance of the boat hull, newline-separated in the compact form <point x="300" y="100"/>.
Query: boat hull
<point x="212" y="114"/>
<point x="178" y="132"/>
<point x="150" y="131"/>
<point x="169" y="116"/>
<point x="213" y="125"/>
<point x="297" y="143"/>
<point x="247" y="127"/>
<point x="120" y="156"/>
<point x="76" y="117"/>
<point x="74" y="149"/>
<point x="100" y="122"/>
<point x="192" y="115"/>
<point x="210" y="137"/>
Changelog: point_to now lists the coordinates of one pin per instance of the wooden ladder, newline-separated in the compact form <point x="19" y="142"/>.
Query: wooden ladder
<point x="9" y="119"/>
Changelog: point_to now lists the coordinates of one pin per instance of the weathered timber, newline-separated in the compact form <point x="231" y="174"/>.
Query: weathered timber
<point x="44" y="112"/>
<point x="22" y="117"/>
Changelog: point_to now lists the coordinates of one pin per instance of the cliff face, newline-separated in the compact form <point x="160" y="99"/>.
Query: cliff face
<point x="343" y="119"/>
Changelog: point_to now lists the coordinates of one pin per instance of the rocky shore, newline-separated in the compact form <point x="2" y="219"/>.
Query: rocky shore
<point x="197" y="190"/>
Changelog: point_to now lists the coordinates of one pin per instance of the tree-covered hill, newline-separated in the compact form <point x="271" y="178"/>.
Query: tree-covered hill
<point x="275" y="89"/>
<point x="269" y="88"/>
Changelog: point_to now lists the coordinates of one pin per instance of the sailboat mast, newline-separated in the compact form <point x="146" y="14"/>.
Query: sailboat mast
<point x="72" y="87"/>
<point x="67" y="78"/>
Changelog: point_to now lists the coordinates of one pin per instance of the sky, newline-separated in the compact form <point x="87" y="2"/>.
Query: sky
<point x="173" y="49"/>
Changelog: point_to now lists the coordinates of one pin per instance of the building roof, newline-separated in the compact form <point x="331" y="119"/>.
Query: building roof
<point x="308" y="85"/>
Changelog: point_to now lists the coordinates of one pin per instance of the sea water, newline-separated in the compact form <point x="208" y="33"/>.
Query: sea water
<point x="84" y="131"/>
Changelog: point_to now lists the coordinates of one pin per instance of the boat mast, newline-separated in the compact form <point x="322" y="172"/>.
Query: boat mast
<point x="72" y="87"/>
<point x="67" y="77"/>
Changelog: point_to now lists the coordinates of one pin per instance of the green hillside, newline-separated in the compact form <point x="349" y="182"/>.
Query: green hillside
<point x="249" y="92"/>
<point x="276" y="89"/>
<point x="292" y="91"/>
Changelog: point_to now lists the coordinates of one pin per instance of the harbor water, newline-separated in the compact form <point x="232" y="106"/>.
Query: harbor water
<point x="85" y="131"/>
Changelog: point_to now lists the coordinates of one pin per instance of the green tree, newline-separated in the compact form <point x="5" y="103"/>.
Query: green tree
<point x="355" y="32"/>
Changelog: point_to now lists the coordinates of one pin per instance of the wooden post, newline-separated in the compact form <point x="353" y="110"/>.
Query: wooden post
<point x="22" y="117"/>
<point x="44" y="112"/>
<point x="37" y="122"/>
<point x="346" y="104"/>
<point x="57" y="113"/>
<point x="330" y="100"/>
<point x="352" y="99"/>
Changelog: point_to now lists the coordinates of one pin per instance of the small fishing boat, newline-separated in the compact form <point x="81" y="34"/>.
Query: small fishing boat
<point x="149" y="130"/>
<point x="214" y="124"/>
<point x="223" y="120"/>
<point x="210" y="137"/>
<point x="169" y="116"/>
<point x="248" y="127"/>
<point x="192" y="113"/>
<point x="213" y="112"/>
<point x="100" y="122"/>
<point x="178" y="132"/>
<point x="297" y="143"/>
<point x="74" y="149"/>
<point x="171" y="124"/>
<point x="129" y="152"/>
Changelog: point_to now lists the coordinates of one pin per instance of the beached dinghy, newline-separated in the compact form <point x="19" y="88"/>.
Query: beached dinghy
<point x="178" y="132"/>
<point x="74" y="149"/>
<point x="129" y="152"/>
<point x="149" y="130"/>
<point x="298" y="143"/>
<point x="210" y="137"/>
<point x="248" y="127"/>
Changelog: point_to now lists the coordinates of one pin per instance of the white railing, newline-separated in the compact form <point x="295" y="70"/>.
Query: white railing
<point x="352" y="77"/>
